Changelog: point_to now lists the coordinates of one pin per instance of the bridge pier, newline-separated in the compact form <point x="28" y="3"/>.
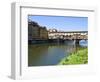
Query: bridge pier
<point x="76" y="41"/>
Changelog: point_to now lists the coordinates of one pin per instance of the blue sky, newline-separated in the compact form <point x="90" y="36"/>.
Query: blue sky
<point x="62" y="23"/>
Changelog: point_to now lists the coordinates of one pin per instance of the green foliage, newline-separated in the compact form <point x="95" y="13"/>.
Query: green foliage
<point x="79" y="57"/>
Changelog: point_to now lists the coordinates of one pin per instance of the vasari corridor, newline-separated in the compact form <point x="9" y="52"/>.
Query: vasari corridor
<point x="57" y="40"/>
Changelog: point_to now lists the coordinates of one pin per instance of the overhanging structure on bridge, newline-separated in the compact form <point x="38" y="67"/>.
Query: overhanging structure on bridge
<point x="68" y="35"/>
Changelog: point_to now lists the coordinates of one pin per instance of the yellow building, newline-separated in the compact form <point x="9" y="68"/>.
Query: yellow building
<point x="43" y="33"/>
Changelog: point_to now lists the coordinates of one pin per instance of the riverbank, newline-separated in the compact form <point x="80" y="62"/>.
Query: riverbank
<point x="43" y="41"/>
<point x="79" y="57"/>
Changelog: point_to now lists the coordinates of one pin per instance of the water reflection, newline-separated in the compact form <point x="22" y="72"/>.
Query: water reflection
<point x="50" y="54"/>
<point x="83" y="43"/>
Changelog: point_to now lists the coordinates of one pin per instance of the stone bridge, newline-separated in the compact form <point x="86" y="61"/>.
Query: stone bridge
<point x="72" y="35"/>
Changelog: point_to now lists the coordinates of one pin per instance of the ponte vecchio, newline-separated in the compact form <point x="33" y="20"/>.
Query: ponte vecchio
<point x="68" y="35"/>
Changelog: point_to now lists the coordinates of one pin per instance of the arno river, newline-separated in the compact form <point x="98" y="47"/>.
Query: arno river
<point x="52" y="53"/>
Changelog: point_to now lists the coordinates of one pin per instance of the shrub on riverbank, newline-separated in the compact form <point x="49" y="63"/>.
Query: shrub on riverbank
<point x="79" y="57"/>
